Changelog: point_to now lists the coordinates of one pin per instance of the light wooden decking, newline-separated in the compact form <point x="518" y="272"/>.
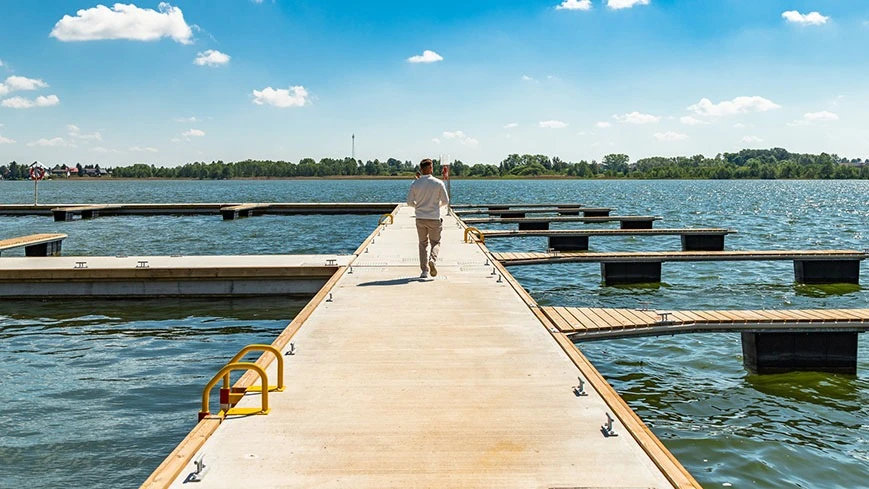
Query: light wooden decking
<point x="31" y="240"/>
<point x="596" y="323"/>
<point x="525" y="220"/>
<point x="534" y="258"/>
<point x="398" y="382"/>
<point x="510" y="233"/>
<point x="537" y="210"/>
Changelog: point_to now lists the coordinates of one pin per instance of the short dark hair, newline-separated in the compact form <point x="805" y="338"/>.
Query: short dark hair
<point x="425" y="162"/>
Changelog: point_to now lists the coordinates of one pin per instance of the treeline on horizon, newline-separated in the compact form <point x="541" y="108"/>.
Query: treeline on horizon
<point x="776" y="163"/>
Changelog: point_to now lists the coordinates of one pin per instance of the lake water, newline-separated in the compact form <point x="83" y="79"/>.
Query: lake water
<point x="96" y="394"/>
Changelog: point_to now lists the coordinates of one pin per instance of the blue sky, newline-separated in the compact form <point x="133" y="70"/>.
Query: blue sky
<point x="170" y="83"/>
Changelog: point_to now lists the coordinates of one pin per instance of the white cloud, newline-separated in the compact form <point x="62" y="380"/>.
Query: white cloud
<point x="75" y="132"/>
<point x="461" y="137"/>
<point x="751" y="139"/>
<point x="811" y="18"/>
<point x="24" y="103"/>
<point x="49" y="142"/>
<point x="603" y="124"/>
<point x="175" y="140"/>
<point x="739" y="105"/>
<point x="670" y="136"/>
<point x="820" y="116"/>
<point x="193" y="133"/>
<point x="427" y="56"/>
<point x="739" y="125"/>
<point x="691" y="121"/>
<point x="14" y="83"/>
<point x="282" y="97"/>
<point x="574" y="5"/>
<point x="124" y="22"/>
<point x="637" y="118"/>
<point x="528" y="78"/>
<point x="511" y="125"/>
<point x="187" y="119"/>
<point x="24" y="83"/>
<point x="436" y="140"/>
<point x="4" y="140"/>
<point x="146" y="149"/>
<point x="620" y="4"/>
<point x="552" y="124"/>
<point x="813" y="117"/>
<point x="211" y="57"/>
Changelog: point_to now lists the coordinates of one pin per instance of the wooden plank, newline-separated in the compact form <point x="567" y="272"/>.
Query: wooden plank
<point x="615" y="317"/>
<point x="641" y="318"/>
<point x="603" y="322"/>
<point x="564" y="324"/>
<point x="592" y="321"/>
<point x="581" y="318"/>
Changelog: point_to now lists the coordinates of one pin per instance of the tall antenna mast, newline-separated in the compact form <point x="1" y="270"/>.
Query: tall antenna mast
<point x="353" y="146"/>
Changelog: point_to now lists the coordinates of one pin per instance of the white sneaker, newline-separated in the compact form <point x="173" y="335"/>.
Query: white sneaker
<point x="423" y="275"/>
<point x="433" y="268"/>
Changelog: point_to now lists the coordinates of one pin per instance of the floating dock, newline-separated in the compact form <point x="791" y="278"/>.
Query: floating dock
<point x="538" y="223"/>
<point x="395" y="381"/>
<point x="166" y="276"/>
<point x="230" y="210"/>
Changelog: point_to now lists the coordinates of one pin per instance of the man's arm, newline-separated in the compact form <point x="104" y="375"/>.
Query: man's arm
<point x="444" y="198"/>
<point x="411" y="197"/>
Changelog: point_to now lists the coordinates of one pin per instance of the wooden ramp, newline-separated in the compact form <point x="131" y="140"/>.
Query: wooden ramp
<point x="583" y="323"/>
<point x="398" y="382"/>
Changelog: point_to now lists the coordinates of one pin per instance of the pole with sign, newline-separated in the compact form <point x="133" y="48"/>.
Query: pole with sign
<point x="37" y="173"/>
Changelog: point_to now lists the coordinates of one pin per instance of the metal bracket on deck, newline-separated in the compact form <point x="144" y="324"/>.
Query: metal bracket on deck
<point x="494" y="271"/>
<point x="292" y="350"/>
<point x="663" y="317"/>
<point x="329" y="299"/>
<point x="331" y="261"/>
<point x="607" y="428"/>
<point x="645" y="305"/>
<point x="487" y="262"/>
<point x="499" y="279"/>
<point x="579" y="390"/>
<point x="81" y="264"/>
<point x="143" y="264"/>
<point x="350" y="270"/>
<point x="200" y="469"/>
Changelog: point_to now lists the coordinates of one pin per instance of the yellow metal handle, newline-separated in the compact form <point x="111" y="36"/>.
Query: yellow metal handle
<point x="391" y="218"/>
<point x="257" y="347"/>
<point x="480" y="236"/>
<point x="226" y="370"/>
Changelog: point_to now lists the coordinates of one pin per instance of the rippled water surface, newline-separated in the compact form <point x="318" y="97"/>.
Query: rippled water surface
<point x="97" y="393"/>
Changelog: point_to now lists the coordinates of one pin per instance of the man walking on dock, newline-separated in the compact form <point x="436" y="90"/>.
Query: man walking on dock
<point x="427" y="194"/>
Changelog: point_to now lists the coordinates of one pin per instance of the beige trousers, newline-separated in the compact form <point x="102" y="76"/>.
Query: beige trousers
<point x="429" y="231"/>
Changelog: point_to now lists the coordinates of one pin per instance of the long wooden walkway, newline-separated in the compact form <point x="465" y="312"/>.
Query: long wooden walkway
<point x="535" y="258"/>
<point x="454" y="382"/>
<point x="584" y="323"/>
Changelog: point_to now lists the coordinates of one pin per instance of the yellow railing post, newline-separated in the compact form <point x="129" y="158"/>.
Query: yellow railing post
<point x="226" y="370"/>
<point x="390" y="216"/>
<point x="259" y="347"/>
<point x="480" y="236"/>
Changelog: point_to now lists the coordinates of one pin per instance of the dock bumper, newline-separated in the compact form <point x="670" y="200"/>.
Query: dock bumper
<point x="702" y="242"/>
<point x="626" y="273"/>
<point x="765" y="353"/>
<point x="568" y="243"/>
<point x="827" y="271"/>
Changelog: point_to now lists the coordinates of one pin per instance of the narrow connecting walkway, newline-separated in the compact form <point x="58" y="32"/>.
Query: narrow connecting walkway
<point x="583" y="323"/>
<point x="398" y="382"/>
